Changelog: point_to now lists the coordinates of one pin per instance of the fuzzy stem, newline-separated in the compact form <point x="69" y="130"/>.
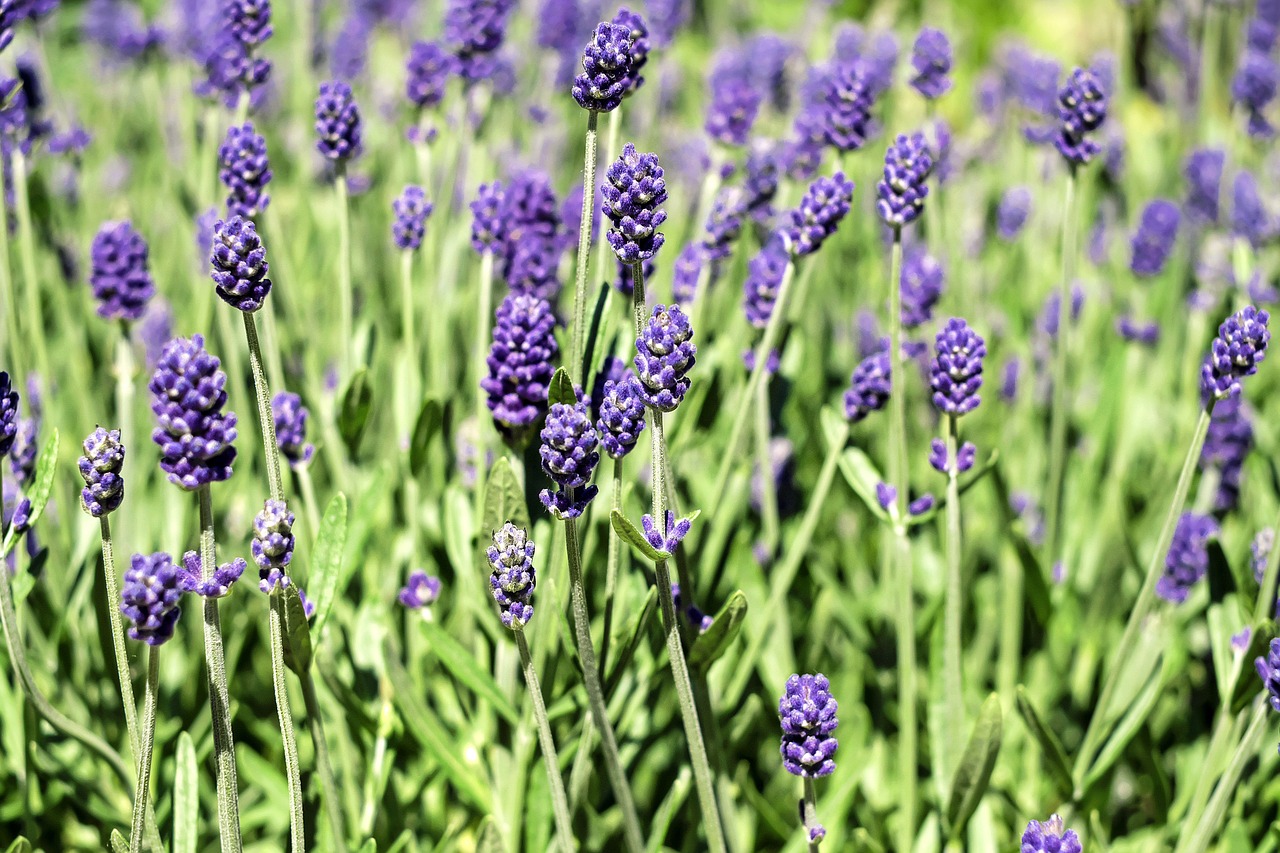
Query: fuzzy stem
<point x="764" y="462"/>
<point x="291" y="767"/>
<point x="559" y="802"/>
<point x="125" y="368"/>
<point x="333" y="805"/>
<point x="266" y="421"/>
<point x="9" y="294"/>
<point x="407" y="311"/>
<point x="952" y="614"/>
<point x="146" y="745"/>
<point x="27" y="254"/>
<point x="578" y="334"/>
<point x="1061" y="399"/>
<point x="484" y="313"/>
<point x="117" y="634"/>
<point x="611" y="569"/>
<point x="346" y="301"/>
<point x="219" y="700"/>
<point x="810" y="813"/>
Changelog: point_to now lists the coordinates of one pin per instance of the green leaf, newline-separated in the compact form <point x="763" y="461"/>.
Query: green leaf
<point x="326" y="559"/>
<point x="863" y="476"/>
<point x="503" y="499"/>
<point x="1034" y="585"/>
<point x="635" y="630"/>
<point x="42" y="485"/>
<point x="1054" y="755"/>
<point x="297" y="633"/>
<point x="357" y="401"/>
<point x="561" y="389"/>
<point x="489" y="839"/>
<point x="1246" y="688"/>
<point x="624" y="528"/>
<point x="119" y="844"/>
<point x="463" y="665"/>
<point x="1139" y="710"/>
<point x="424" y="429"/>
<point x="974" y="772"/>
<point x="186" y="797"/>
<point x="834" y="427"/>
<point x="711" y="646"/>
<point x="370" y="846"/>
<point x="20" y="845"/>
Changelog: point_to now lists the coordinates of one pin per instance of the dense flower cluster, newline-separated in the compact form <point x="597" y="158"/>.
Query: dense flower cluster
<point x="188" y="396"/>
<point x="621" y="417"/>
<point x="426" y="73"/>
<point x="1234" y="354"/>
<point x="869" y="388"/>
<point x="521" y="362"/>
<point x="1153" y="241"/>
<point x="569" y="457"/>
<point x="807" y="712"/>
<point x="956" y="373"/>
<point x="101" y="468"/>
<point x="476" y="30"/>
<point x="149" y="597"/>
<point x="1082" y="108"/>
<point x="8" y="414"/>
<point x="606" y="69"/>
<point x="634" y="191"/>
<point x="819" y="213"/>
<point x="411" y="210"/>
<point x="338" y="124"/>
<point x="900" y="194"/>
<point x="290" y="418"/>
<point x="120" y="276"/>
<point x="931" y="59"/>
<point x="1188" y="557"/>
<point x="923" y="279"/>
<point x="245" y="171"/>
<point x="273" y="542"/>
<point x="664" y="355"/>
<point x="513" y="577"/>
<point x="765" y="272"/>
<point x="734" y="105"/>
<point x="240" y="265"/>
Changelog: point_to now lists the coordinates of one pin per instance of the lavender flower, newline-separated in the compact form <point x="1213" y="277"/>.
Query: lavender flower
<point x="476" y="29"/>
<point x="676" y="531"/>
<point x="1154" y="238"/>
<point x="520" y="362"/>
<point x="956" y="373"/>
<point x="8" y="414"/>
<point x="869" y="388"/>
<point x="101" y="467"/>
<point x="244" y="171"/>
<point x="606" y="76"/>
<point x="152" y="588"/>
<point x="290" y="418"/>
<point x="22" y="458"/>
<point x="1254" y="87"/>
<point x="119" y="275"/>
<point x="1227" y="444"/>
<point x="921" y="287"/>
<point x="819" y="214"/>
<point x="488" y="222"/>
<point x="735" y="103"/>
<point x="807" y="712"/>
<point x="1048" y="837"/>
<point x="621" y="415"/>
<point x="664" y="355"/>
<point x="666" y="17"/>
<point x="764" y="277"/>
<point x="1012" y="212"/>
<point x="687" y="271"/>
<point x="1133" y="331"/>
<point x="426" y="73"/>
<point x="194" y="434"/>
<point x="1269" y="671"/>
<point x="1249" y="217"/>
<point x="1203" y="172"/>
<point x="411" y="210"/>
<point x="901" y="193"/>
<point x="639" y="46"/>
<point x="513" y="578"/>
<point x="849" y="97"/>
<point x="569" y="457"/>
<point x="724" y="224"/>
<point x="760" y="184"/>
<point x="1234" y="354"/>
<point x="633" y="191"/>
<point x="240" y="265"/>
<point x="420" y="590"/>
<point x="1082" y="108"/>
<point x="272" y="544"/>
<point x="218" y="585"/>
<point x="1188" y="557"/>
<point x="940" y="461"/>
<point x="931" y="58"/>
<point x="338" y="125"/>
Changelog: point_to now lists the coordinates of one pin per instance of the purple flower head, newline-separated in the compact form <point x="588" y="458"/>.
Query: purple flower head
<point x="901" y="193"/>
<point x="735" y="103"/>
<point x="819" y="214"/>
<point x="664" y="355"/>
<point x="676" y="531"/>
<point x="1260" y="35"/>
<point x="521" y="362"/>
<point x="249" y="21"/>
<point x="528" y="223"/>
<point x="244" y="171"/>
<point x="1254" y="87"/>
<point x="621" y="415"/>
<point x="195" y="435"/>
<point x="606" y="76"/>
<point x="1249" y="217"/>
<point x="764" y="277"/>
<point x="239" y="265"/>
<point x="273" y="542"/>
<point x="850" y="94"/>
<point x="118" y="28"/>
<point x="666" y="17"/>
<point x="724" y="224"/>
<point x="1082" y="107"/>
<point x="1049" y="837"/>
<point x="922" y="283"/>
<point x="488" y="222"/>
<point x="931" y="59"/>
<point x="1051" y="313"/>
<point x="338" y="125"/>
<point x="639" y="47"/>
<point x="1147" y="334"/>
<point x="807" y="712"/>
<point x="1234" y="354"/>
<point x="1012" y="212"/>
<point x="1153" y="241"/>
<point x="633" y="191"/>
<point x="687" y="271"/>
<point x="411" y="210"/>
<point x="760" y="184"/>
<point x="218" y="585"/>
<point x="1188" y="557"/>
<point x="1260" y="552"/>
<point x="1269" y="671"/>
<point x="1203" y="172"/>
<point x="420" y="590"/>
<point x="513" y="578"/>
<point x="1226" y="446"/>
<point x="426" y="73"/>
<point x="886" y="495"/>
<point x="290" y="418"/>
<point x="869" y="387"/>
<point x="532" y="267"/>
<point x="101" y="467"/>
<point x="802" y="153"/>
<point x="8" y="414"/>
<point x="476" y="30"/>
<point x="956" y="373"/>
<point x="149" y="597"/>
<point x="22" y="458"/>
<point x="569" y="457"/>
<point x="119" y="273"/>
<point x="966" y="454"/>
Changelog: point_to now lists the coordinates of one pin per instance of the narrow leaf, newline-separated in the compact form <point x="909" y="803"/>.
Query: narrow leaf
<point x="561" y="389"/>
<point x="489" y="839"/>
<point x="1054" y="755"/>
<point x="503" y="499"/>
<point x="297" y="633"/>
<point x="357" y="401"/>
<point x="425" y="429"/>
<point x="43" y="484"/>
<point x="327" y="559"/>
<point x="1128" y="726"/>
<point x="711" y="646"/>
<point x="624" y="528"/>
<point x="186" y="797"/>
<point x="19" y="845"/>
<point x="463" y="666"/>
<point x="974" y="772"/>
<point x="119" y="844"/>
<point x="863" y="476"/>
<point x="370" y="846"/>
<point x="635" y="630"/>
<point x="834" y="427"/>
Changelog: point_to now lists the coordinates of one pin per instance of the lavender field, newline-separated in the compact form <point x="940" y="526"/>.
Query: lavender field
<point x="699" y="425"/>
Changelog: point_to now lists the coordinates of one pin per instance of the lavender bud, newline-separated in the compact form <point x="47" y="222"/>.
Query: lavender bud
<point x="1269" y="671"/>
<point x="921" y="287"/>
<point x="569" y="457"/>
<point x="1082" y="108"/>
<point x="240" y="265"/>
<point x="1049" y="837"/>
<point x="664" y="355"/>
<point x="8" y="414"/>
<point x="735" y="103"/>
<point x="807" y="713"/>
<point x="639" y="46"/>
<point x="606" y="69"/>
<point x="245" y="172"/>
<point x="1147" y="334"/>
<point x="411" y="210"/>
<point x="1012" y="212"/>
<point x="849" y="96"/>
<point x="818" y="216"/>
<point x="420" y="590"/>
<point x="272" y="544"/>
<point x="521" y="362"/>
<point x="931" y="58"/>
<point x="1254" y="87"/>
<point x="920" y="505"/>
<point x="1235" y="353"/>
<point x="724" y="224"/>
<point x="764" y="277"/>
<point x="956" y="373"/>
<point x="633" y="191"/>
<point x="476" y="29"/>
<point x="886" y="495"/>
<point x="1154" y="238"/>
<point x="290" y="418"/>
<point x="119" y="275"/>
<point x="194" y="434"/>
<point x="869" y="388"/>
<point x="513" y="578"/>
<point x="338" y="125"/>
<point x="488" y="222"/>
<point x="427" y="71"/>
<point x="149" y="597"/>
<point x="101" y="467"/>
<point x="1203" y="172"/>
<point x="676" y="531"/>
<point x="1188" y="557"/>
<point x="901" y="193"/>
<point x="219" y="585"/>
<point x="621" y="415"/>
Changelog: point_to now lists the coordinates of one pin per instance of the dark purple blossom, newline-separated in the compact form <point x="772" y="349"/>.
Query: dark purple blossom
<point x="1254" y="88"/>
<point x="521" y="362"/>
<point x="931" y="59"/>
<point x="1188" y="557"/>
<point x="149" y="597"/>
<point x="724" y="224"/>
<point x="621" y="417"/>
<point x="1012" y="212"/>
<point x="818" y="216"/>
<point x="194" y="434"/>
<point x="426" y="73"/>
<point x="476" y="29"/>
<point x="1049" y="837"/>
<point x="606" y="75"/>
<point x="665" y="18"/>
<point x="687" y="271"/>
<point x="120" y="276"/>
<point x="8" y="414"/>
<point x="101" y="468"/>
<point x="1203" y="172"/>
<point x="634" y="191"/>
<point x="956" y="373"/>
<point x="1134" y="331"/>
<point x="569" y="457"/>
<point x="1249" y="216"/>
<point x="760" y="183"/>
<point x="676" y="531"/>
<point x="1234" y="354"/>
<point x="869" y="388"/>
<point x="966" y="454"/>
<point x="807" y="712"/>
<point x="488" y="220"/>
<point x="664" y="355"/>
<point x="420" y="590"/>
<point x="1269" y="671"/>
<point x="244" y="171"/>
<point x="290" y="418"/>
<point x="1227" y="444"/>
<point x="900" y="194"/>
<point x="639" y="47"/>
<point x="735" y="103"/>
<point x="272" y="544"/>
<point x="850" y="95"/>
<point x="513" y="578"/>
<point x="765" y="272"/>
<point x="239" y="263"/>
<point x="922" y="283"/>
<point x="218" y="585"/>
<point x="411" y="210"/>
<point x="1153" y="241"/>
<point x="338" y="124"/>
<point x="1082" y="108"/>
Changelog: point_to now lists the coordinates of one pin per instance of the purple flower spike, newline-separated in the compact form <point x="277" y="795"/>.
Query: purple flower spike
<point x="735" y="103"/>
<point x="606" y="69"/>
<point x="664" y="355"/>
<point x="476" y="29"/>
<point x="245" y="171"/>
<point x="634" y="191"/>
<point x="488" y="220"/>
<point x="1203" y="172"/>
<point x="1154" y="238"/>
<point x="688" y="269"/>
<point x="240" y="265"/>
<point x="764" y="277"/>
<point x="1147" y="334"/>
<point x="101" y="468"/>
<point x="513" y="578"/>
<point x="1188" y="557"/>
<point x="850" y="94"/>
<point x="8" y="414"/>
<point x="1226" y="446"/>
<point x="823" y="207"/>
<point x="338" y="126"/>
<point x="194" y="434"/>
<point x="219" y="585"/>
<point x="639" y="48"/>
<point x="676" y="531"/>
<point x="922" y="282"/>
<point x="621" y="415"/>
<point x="1269" y="671"/>
<point x="1235" y="353"/>
<point x="521" y="362"/>
<point x="272" y="544"/>
<point x="420" y="590"/>
<point x="931" y="59"/>
<point x="901" y="193"/>
<point x="290" y="417"/>
<point x="938" y="459"/>
<point x="1049" y="837"/>
<point x="1254" y="87"/>
<point x="1082" y="108"/>
<point x="920" y="505"/>
<point x="1012" y="212"/>
<point x="1249" y="217"/>
<point x="956" y="374"/>
<point x="149" y="597"/>
<point x="869" y="388"/>
<point x="886" y="495"/>
<point x="426" y="73"/>
<point x="724" y="225"/>
<point x="807" y="712"/>
<point x="569" y="457"/>
<point x="119" y="277"/>
<point x="411" y="210"/>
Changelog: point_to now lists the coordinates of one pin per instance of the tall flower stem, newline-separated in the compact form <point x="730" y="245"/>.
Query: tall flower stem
<point x="9" y="294"/>
<point x="27" y="255"/>
<point x="125" y="369"/>
<point x="146" y="739"/>
<point x="1227" y="785"/>
<point x="346" y="301"/>
<point x="953" y="610"/>
<point x="262" y="394"/>
<point x="810" y="813"/>
<point x="612" y="567"/>
<point x="292" y="770"/>
<point x="219" y="700"/>
<point x="578" y="333"/>
<point x="484" y="314"/>
<point x="117" y="634"/>
<point x="333" y="805"/>
<point x="1061" y="399"/>
<point x="1146" y="597"/>
<point x="407" y="311"/>
<point x="559" y="802"/>
<point x="605" y="155"/>
<point x="764" y="463"/>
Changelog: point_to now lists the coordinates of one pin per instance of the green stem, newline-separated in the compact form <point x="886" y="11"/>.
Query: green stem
<point x="17" y="352"/>
<point x="219" y="700"/>
<point x="374" y="786"/>
<point x="270" y="447"/>
<point x="952" y="614"/>
<point x="1223" y="730"/>
<point x="117" y="634"/>
<point x="810" y="807"/>
<point x="333" y="805"/>
<point x="147" y="742"/>
<point x="125" y="368"/>
<point x="605" y="156"/>
<point x="1146" y="598"/>
<point x="484" y="313"/>
<point x="407" y="311"/>
<point x="291" y="767"/>
<point x="1227" y="785"/>
<point x="346" y="301"/>
<point x="1058" y="413"/>
<point x="559" y="802"/>
<point x="27" y="253"/>
<point x="611" y="568"/>
<point x="764" y="462"/>
<point x="578" y="334"/>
